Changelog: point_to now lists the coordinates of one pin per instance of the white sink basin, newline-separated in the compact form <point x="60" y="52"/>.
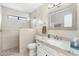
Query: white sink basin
<point x="54" y="42"/>
<point x="59" y="43"/>
<point x="66" y="45"/>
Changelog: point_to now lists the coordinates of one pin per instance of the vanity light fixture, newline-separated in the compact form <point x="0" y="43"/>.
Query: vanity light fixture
<point x="52" y="5"/>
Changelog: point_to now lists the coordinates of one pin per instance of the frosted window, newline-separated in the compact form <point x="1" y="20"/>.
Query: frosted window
<point x="22" y="18"/>
<point x="18" y="18"/>
<point x="12" y="17"/>
<point x="68" y="20"/>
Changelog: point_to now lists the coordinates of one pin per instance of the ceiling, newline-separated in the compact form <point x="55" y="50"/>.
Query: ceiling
<point x="23" y="7"/>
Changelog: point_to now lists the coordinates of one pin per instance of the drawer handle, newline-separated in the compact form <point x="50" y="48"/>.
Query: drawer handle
<point x="46" y="55"/>
<point x="38" y="44"/>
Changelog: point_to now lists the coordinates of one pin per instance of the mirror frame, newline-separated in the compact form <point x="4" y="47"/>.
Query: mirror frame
<point x="74" y="20"/>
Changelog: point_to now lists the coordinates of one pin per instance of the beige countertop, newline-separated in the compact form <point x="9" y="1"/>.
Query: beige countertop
<point x="66" y="52"/>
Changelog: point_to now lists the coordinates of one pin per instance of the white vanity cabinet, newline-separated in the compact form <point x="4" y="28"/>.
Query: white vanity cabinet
<point x="44" y="50"/>
<point x="52" y="47"/>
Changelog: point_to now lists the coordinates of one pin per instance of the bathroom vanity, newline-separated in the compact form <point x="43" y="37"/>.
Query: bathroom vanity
<point x="52" y="47"/>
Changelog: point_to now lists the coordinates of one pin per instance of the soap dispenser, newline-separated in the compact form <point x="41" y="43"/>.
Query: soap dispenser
<point x="44" y="30"/>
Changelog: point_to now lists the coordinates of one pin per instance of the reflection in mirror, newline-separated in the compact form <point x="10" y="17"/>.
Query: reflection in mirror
<point x="62" y="16"/>
<point x="68" y="20"/>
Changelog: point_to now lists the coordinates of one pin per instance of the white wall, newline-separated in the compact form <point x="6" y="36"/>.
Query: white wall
<point x="26" y="37"/>
<point x="0" y="31"/>
<point x="0" y="16"/>
<point x="42" y="14"/>
<point x="8" y="24"/>
<point x="10" y="33"/>
<point x="64" y="33"/>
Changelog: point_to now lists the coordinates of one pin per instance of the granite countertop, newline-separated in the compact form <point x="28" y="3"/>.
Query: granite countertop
<point x="65" y="49"/>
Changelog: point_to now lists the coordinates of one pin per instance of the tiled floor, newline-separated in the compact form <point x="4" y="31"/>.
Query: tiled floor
<point x="10" y="52"/>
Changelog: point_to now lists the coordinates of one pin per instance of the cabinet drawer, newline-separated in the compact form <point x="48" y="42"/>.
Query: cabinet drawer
<point x="42" y="52"/>
<point x="50" y="50"/>
<point x="46" y="48"/>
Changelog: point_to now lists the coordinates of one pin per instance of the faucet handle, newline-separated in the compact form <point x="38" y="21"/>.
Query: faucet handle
<point x="60" y="38"/>
<point x="55" y="37"/>
<point x="48" y="35"/>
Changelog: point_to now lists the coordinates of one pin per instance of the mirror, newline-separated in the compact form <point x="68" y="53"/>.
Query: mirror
<point x="62" y="16"/>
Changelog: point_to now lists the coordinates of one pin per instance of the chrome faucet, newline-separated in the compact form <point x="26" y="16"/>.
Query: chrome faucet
<point x="57" y="37"/>
<point x="49" y="35"/>
<point x="54" y="36"/>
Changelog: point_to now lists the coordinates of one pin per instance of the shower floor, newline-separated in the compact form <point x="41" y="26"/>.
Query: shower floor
<point x="10" y="52"/>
